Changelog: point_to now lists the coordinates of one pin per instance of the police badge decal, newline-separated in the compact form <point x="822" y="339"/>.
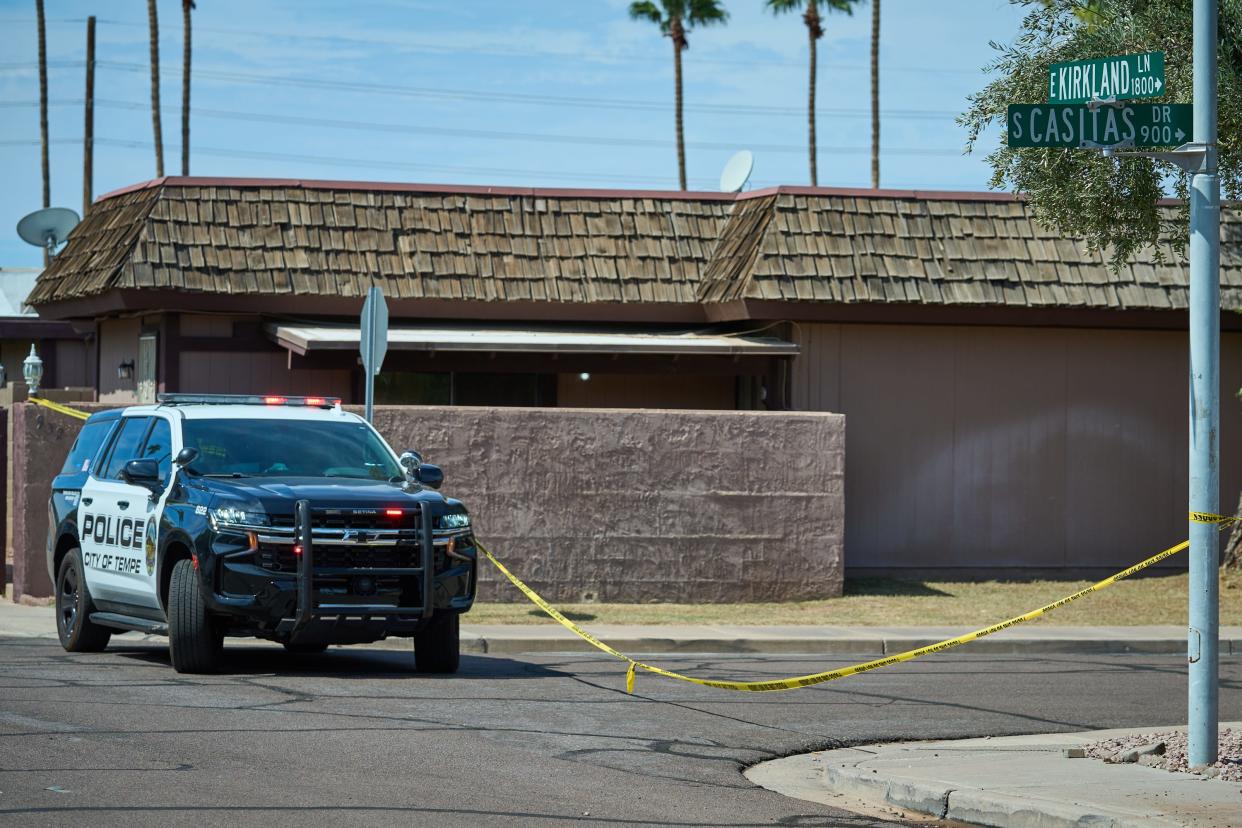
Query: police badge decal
<point x="150" y="545"/>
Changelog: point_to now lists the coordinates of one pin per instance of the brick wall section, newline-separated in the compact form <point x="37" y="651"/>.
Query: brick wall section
<point x="606" y="505"/>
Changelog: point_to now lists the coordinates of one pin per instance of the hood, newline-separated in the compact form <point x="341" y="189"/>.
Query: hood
<point x="278" y="494"/>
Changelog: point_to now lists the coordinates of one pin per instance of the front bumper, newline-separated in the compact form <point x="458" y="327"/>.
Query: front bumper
<point x="336" y="589"/>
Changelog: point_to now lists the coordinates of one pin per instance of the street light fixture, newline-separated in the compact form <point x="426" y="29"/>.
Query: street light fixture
<point x="32" y="370"/>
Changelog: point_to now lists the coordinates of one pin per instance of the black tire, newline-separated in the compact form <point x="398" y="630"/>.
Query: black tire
<point x="195" y="640"/>
<point x="437" y="647"/>
<point x="304" y="649"/>
<point x="74" y="607"/>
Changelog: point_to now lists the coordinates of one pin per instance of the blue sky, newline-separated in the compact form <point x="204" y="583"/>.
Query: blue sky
<point x="537" y="92"/>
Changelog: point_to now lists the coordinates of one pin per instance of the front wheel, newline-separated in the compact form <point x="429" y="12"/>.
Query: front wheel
<point x="195" y="641"/>
<point x="73" y="609"/>
<point x="437" y="647"/>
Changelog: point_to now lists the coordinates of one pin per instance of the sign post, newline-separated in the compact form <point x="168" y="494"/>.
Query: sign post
<point x="1086" y="109"/>
<point x="1202" y="649"/>
<point x="373" y="342"/>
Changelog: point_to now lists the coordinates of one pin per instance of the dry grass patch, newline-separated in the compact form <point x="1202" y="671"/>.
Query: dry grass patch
<point x="872" y="602"/>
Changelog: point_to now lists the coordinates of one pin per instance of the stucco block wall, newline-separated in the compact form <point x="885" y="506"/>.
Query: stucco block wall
<point x="599" y="504"/>
<point x="644" y="505"/>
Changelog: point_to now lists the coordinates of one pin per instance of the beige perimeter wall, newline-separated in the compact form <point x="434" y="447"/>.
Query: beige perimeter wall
<point x="987" y="447"/>
<point x="597" y="504"/>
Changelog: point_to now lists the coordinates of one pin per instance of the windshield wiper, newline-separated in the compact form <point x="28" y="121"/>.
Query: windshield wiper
<point x="225" y="474"/>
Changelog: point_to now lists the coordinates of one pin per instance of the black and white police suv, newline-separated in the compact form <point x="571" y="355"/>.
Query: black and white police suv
<point x="284" y="518"/>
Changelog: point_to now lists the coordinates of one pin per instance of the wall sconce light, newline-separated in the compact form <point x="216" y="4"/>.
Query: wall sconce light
<point x="125" y="370"/>
<point x="584" y="376"/>
<point x="32" y="370"/>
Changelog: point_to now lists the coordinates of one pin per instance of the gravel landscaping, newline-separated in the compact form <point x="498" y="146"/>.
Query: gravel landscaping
<point x="1167" y="751"/>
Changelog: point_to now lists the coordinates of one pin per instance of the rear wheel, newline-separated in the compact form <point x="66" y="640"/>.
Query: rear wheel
<point x="437" y="647"/>
<point x="195" y="640"/>
<point x="73" y="609"/>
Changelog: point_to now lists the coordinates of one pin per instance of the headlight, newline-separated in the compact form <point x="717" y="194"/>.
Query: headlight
<point x="237" y="514"/>
<point x="453" y="520"/>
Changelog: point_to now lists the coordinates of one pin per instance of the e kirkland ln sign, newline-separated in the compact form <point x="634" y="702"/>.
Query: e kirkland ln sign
<point x="1117" y="78"/>
<point x="1096" y="127"/>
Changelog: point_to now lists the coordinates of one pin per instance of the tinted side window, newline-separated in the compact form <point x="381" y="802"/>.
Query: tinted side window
<point x="125" y="446"/>
<point x="90" y="438"/>
<point x="159" y="446"/>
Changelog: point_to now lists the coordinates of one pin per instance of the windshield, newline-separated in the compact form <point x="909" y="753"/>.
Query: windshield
<point x="288" y="448"/>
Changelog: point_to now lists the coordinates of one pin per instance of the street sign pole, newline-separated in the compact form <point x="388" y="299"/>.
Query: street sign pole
<point x="1204" y="399"/>
<point x="369" y="313"/>
<point x="373" y="341"/>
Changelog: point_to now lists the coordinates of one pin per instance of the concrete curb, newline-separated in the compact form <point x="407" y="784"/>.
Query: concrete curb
<point x="20" y="621"/>
<point x="1007" y="782"/>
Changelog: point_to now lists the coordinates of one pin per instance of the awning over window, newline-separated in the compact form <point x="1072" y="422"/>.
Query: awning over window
<point x="302" y="339"/>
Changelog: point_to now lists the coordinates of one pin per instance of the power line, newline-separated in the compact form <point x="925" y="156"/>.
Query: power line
<point x="366" y="126"/>
<point x="367" y="163"/>
<point x="595" y="56"/>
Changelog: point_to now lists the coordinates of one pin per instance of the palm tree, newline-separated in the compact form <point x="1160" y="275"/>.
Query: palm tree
<point x="154" y="24"/>
<point x="815" y="31"/>
<point x="47" y="184"/>
<point x="186" y="6"/>
<point x="675" y="19"/>
<point x="875" y="94"/>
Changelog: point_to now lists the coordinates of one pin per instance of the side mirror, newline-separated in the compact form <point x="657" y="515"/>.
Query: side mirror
<point x="142" y="473"/>
<point x="429" y="475"/>
<point x="186" y="456"/>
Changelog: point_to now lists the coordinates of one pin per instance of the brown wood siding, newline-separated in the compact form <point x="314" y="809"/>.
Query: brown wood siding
<point x="646" y="391"/>
<point x="118" y="342"/>
<point x="1011" y="447"/>
<point x="232" y="372"/>
<point x="72" y="368"/>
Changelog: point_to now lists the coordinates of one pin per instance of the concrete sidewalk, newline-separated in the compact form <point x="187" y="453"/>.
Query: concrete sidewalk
<point x="1008" y="782"/>
<point x="39" y="622"/>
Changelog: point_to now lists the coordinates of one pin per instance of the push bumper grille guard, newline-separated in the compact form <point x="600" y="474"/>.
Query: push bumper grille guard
<point x="307" y="607"/>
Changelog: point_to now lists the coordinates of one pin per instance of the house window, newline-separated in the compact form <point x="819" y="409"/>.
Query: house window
<point x="462" y="388"/>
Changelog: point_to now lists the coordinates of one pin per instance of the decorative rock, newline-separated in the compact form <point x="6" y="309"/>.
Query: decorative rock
<point x="1074" y="753"/>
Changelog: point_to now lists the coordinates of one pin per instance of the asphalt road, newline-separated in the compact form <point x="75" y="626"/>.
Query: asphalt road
<point x="354" y="737"/>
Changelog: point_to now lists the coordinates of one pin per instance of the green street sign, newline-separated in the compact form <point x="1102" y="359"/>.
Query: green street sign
<point x="1119" y="78"/>
<point x="1109" y="125"/>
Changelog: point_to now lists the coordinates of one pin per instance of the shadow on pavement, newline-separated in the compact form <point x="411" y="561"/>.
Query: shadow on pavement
<point x="371" y="663"/>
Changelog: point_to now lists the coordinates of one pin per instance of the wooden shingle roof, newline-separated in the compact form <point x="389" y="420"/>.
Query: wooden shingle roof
<point x="251" y="238"/>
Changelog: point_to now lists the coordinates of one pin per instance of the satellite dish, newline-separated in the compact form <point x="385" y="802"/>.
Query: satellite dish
<point x="736" y="172"/>
<point x="48" y="228"/>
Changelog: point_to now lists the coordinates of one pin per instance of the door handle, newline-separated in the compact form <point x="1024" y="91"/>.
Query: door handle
<point x="87" y="501"/>
<point x="124" y="504"/>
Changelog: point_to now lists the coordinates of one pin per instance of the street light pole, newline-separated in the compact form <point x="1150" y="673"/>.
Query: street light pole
<point x="1204" y="492"/>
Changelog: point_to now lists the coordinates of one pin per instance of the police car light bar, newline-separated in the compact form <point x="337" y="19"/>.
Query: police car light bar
<point x="246" y="399"/>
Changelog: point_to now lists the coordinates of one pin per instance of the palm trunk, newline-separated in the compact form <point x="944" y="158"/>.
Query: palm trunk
<point x="875" y="94"/>
<point x="154" y="25"/>
<point x="186" y="5"/>
<point x="47" y="182"/>
<point x="88" y="125"/>
<point x="681" y="140"/>
<point x="811" y="113"/>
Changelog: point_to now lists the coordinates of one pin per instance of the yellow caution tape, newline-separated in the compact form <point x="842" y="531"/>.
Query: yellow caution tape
<point x="632" y="665"/>
<point x="819" y="678"/>
<point x="62" y="409"/>
<point x="1208" y="517"/>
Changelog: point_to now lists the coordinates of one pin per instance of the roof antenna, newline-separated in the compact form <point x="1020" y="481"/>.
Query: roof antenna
<point x="736" y="172"/>
<point x="48" y="228"/>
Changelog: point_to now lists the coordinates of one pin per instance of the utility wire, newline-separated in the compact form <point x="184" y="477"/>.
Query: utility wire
<point x="366" y="126"/>
<point x="594" y="56"/>
<point x="442" y="93"/>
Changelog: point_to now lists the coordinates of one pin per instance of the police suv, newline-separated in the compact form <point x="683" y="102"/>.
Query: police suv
<point x="282" y="518"/>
